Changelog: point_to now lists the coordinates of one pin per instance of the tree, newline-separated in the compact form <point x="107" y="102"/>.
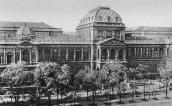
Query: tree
<point x="16" y="75"/>
<point x="89" y="79"/>
<point x="143" y="71"/>
<point x="139" y="72"/>
<point x="112" y="74"/>
<point x="45" y="75"/>
<point x="50" y="76"/>
<point x="165" y="70"/>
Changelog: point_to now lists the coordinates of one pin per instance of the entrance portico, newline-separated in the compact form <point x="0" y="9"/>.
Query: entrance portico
<point x="110" y="49"/>
<point x="27" y="52"/>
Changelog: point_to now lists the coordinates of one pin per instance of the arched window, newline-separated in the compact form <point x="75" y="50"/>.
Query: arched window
<point x="104" y="54"/>
<point x="112" y="54"/>
<point x="86" y="54"/>
<point x="132" y="51"/>
<point x="55" y="54"/>
<point x="63" y="54"/>
<point x="71" y="54"/>
<point x="47" y="54"/>
<point x="143" y="52"/>
<point x="108" y="34"/>
<point x="149" y="52"/>
<point x="156" y="54"/>
<point x="33" y="56"/>
<point x="17" y="55"/>
<point x="120" y="54"/>
<point x="138" y="52"/>
<point x="78" y="54"/>
<point x="25" y="56"/>
<point x="161" y="52"/>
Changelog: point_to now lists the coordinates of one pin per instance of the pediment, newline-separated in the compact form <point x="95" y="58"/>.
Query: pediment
<point x="111" y="41"/>
<point x="26" y="43"/>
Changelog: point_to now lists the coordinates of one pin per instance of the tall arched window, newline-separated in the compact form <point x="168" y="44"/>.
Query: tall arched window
<point x="86" y="54"/>
<point x="63" y="54"/>
<point x="112" y="54"/>
<point x="55" y="54"/>
<point x="47" y="54"/>
<point x="25" y="56"/>
<point x="138" y="52"/>
<point x="143" y="52"/>
<point x="149" y="52"/>
<point x="104" y="54"/>
<point x="120" y="54"/>
<point x="161" y="52"/>
<point x="156" y="54"/>
<point x="132" y="51"/>
<point x="71" y="54"/>
<point x="78" y="54"/>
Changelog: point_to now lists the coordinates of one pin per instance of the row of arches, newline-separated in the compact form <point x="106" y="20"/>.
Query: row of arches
<point x="64" y="54"/>
<point x="144" y="52"/>
<point x="21" y="55"/>
<point x="108" y="53"/>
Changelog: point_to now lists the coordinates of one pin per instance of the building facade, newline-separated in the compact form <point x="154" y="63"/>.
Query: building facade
<point x="101" y="36"/>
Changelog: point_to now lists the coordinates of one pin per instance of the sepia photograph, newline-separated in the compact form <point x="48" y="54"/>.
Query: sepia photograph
<point x="85" y="53"/>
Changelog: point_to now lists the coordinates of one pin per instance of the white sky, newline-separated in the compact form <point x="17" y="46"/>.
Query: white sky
<point x="67" y="13"/>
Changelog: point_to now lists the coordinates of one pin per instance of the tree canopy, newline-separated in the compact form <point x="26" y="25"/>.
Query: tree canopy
<point x="16" y="74"/>
<point x="113" y="72"/>
<point x="165" y="68"/>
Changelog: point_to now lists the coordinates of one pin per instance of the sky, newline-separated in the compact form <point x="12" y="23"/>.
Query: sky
<point x="66" y="14"/>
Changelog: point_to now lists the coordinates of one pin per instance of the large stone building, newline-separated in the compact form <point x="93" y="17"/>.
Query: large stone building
<point x="100" y="37"/>
<point x="148" y="45"/>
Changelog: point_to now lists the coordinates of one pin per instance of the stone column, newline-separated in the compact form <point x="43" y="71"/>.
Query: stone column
<point x="82" y="54"/>
<point x="153" y="52"/>
<point x="141" y="52"/>
<point x="100" y="54"/>
<point x="74" y="54"/>
<point x="108" y="54"/>
<point x="51" y="53"/>
<point x="59" y="54"/>
<point x="36" y="55"/>
<point x="67" y="53"/>
<point x="14" y="56"/>
<point x="30" y="55"/>
<point x="158" y="52"/>
<point x="124" y="54"/>
<point x="129" y="52"/>
<point x="120" y="34"/>
<point x="165" y="52"/>
<point x="92" y="56"/>
<point x="116" y="54"/>
<point x="147" y="52"/>
<point x="89" y="54"/>
<point x="104" y="33"/>
<point x="4" y="56"/>
<point x="20" y="55"/>
<point x="134" y="52"/>
<point x="43" y="53"/>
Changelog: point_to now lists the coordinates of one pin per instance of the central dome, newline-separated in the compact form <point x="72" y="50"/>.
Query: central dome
<point x="101" y="14"/>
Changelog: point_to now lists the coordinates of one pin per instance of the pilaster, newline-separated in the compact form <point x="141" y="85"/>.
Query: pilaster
<point x="14" y="56"/>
